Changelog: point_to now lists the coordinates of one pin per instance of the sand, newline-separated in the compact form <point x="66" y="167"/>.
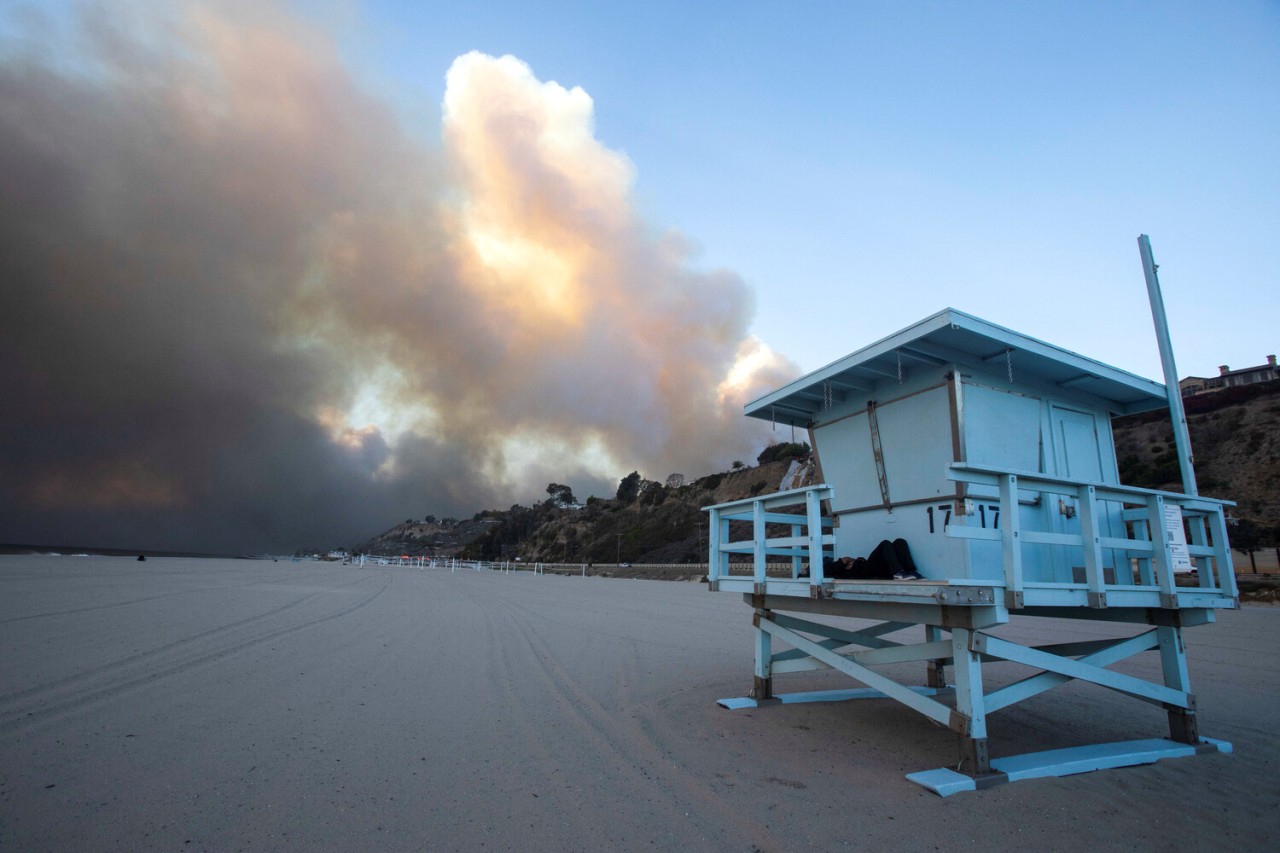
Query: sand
<point x="184" y="704"/>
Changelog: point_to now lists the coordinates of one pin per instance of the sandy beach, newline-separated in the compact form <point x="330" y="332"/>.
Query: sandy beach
<point x="187" y="704"/>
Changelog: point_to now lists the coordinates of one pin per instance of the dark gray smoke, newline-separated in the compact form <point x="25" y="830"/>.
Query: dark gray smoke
<point x="241" y="309"/>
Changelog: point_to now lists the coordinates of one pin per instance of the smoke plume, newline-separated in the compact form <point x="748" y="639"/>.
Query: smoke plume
<point x="243" y="308"/>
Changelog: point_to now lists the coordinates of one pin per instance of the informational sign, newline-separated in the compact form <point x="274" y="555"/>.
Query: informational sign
<point x="1177" y="536"/>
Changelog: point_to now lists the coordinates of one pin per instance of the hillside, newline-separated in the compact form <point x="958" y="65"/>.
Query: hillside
<point x="661" y="523"/>
<point x="1235" y="435"/>
<point x="1235" y="441"/>
<point x="441" y="538"/>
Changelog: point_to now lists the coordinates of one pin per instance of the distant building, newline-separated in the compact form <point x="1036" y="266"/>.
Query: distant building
<point x="1228" y="378"/>
<point x="1192" y="385"/>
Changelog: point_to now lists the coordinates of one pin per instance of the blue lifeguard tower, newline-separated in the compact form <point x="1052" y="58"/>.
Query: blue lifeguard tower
<point x="991" y="454"/>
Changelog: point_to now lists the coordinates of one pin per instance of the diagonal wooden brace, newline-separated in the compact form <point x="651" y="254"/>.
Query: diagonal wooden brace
<point x="1011" y="694"/>
<point x="890" y="688"/>
<point x="1146" y="691"/>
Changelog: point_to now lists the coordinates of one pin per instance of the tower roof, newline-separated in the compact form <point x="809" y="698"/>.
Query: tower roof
<point x="954" y="337"/>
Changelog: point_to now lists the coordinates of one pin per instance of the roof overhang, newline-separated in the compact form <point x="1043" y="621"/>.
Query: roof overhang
<point x="953" y="337"/>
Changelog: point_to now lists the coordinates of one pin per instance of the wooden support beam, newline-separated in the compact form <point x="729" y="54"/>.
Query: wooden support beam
<point x="1135" y="687"/>
<point x="763" y="686"/>
<point x="1091" y="539"/>
<point x="892" y="689"/>
<point x="1011" y="543"/>
<point x="935" y="670"/>
<point x="1113" y="652"/>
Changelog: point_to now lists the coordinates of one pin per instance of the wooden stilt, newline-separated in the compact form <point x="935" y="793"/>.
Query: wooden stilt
<point x="1183" y="726"/>
<point x="970" y="717"/>
<point x="763" y="687"/>
<point x="935" y="670"/>
<point x="974" y="759"/>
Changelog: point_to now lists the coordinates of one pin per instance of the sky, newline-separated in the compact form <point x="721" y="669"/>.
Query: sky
<point x="277" y="275"/>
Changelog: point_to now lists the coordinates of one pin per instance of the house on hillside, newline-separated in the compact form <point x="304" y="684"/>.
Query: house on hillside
<point x="1228" y="378"/>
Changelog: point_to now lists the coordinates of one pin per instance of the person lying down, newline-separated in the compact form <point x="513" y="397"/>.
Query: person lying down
<point x="889" y="561"/>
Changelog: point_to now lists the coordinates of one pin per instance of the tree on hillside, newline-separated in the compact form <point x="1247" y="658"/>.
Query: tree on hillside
<point x="561" y="495"/>
<point x="653" y="493"/>
<point x="629" y="487"/>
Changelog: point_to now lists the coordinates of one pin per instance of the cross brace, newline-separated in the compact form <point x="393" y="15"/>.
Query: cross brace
<point x="966" y="650"/>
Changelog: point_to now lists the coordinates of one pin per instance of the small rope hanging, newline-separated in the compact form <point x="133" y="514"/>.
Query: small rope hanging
<point x="899" y="353"/>
<point x="1008" y="360"/>
<point x="773" y="416"/>
<point x="827" y="398"/>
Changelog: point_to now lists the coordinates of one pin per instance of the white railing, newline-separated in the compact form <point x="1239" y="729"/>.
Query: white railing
<point x="806" y="536"/>
<point x="1147" y="556"/>
<point x="1142" y="569"/>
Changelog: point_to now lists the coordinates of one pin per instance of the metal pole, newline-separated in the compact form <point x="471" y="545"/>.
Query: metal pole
<point x="1181" y="437"/>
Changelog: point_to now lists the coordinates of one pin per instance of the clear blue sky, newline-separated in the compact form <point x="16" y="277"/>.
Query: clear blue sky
<point x="862" y="165"/>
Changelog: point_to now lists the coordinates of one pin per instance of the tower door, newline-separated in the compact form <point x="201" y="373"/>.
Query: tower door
<point x="1078" y="453"/>
<point x="1076" y="446"/>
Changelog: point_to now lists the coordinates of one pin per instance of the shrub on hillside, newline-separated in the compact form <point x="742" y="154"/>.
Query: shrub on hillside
<point x="783" y="451"/>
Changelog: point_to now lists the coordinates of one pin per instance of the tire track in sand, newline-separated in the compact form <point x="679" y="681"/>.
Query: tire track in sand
<point x="130" y="660"/>
<point x="510" y="666"/>
<point x="40" y="704"/>
<point x="616" y="733"/>
<point x="143" y="600"/>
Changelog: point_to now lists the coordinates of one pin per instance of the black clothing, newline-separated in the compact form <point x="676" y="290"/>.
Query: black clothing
<point x="888" y="560"/>
<point x="892" y="558"/>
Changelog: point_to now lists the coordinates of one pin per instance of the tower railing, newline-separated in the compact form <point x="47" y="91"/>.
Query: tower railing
<point x="802" y="536"/>
<point x="1148" y="557"/>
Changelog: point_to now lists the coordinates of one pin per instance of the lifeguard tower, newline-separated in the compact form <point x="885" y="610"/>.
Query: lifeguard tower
<point x="991" y="454"/>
